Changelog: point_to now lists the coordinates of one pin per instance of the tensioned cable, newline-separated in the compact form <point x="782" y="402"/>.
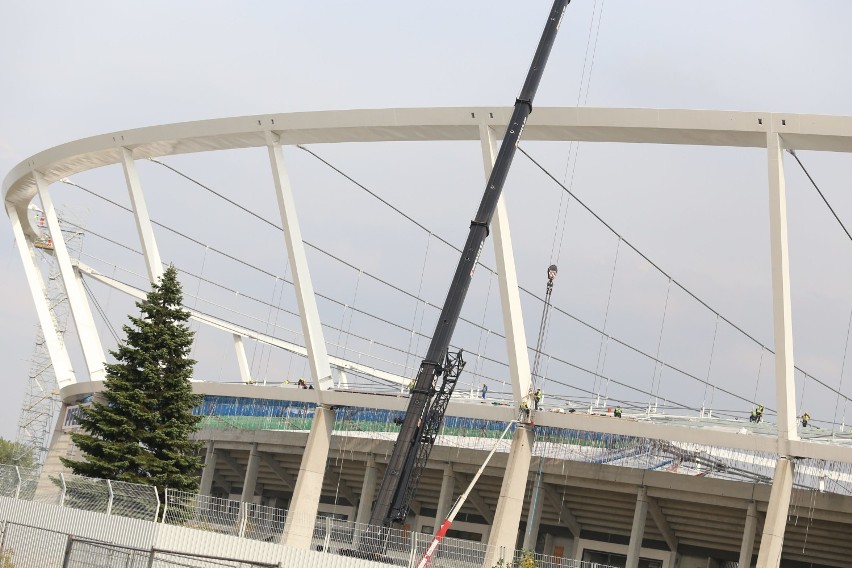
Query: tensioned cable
<point x="666" y="365"/>
<point x="521" y="288"/>
<point x="842" y="366"/>
<point x="362" y="186"/>
<point x="816" y="187"/>
<point x="659" y="269"/>
<point x="101" y="311"/>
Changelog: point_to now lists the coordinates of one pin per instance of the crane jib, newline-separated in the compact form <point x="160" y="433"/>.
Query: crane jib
<point x="428" y="400"/>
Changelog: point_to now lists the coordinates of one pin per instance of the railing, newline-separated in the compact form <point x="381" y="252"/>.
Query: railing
<point x="247" y="521"/>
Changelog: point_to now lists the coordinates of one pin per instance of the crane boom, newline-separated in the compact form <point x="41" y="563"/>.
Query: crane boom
<point x="427" y="403"/>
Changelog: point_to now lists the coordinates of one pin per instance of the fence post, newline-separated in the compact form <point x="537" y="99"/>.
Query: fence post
<point x="412" y="553"/>
<point x="157" y="512"/>
<point x="69" y="544"/>
<point x="328" y="529"/>
<point x="109" y="503"/>
<point x="151" y="556"/>
<point x="18" y="488"/>
<point x="62" y="495"/>
<point x="243" y="519"/>
<point x="3" y="538"/>
<point x="165" y="508"/>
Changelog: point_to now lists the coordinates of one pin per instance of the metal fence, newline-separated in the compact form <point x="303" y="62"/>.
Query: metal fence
<point x="24" y="546"/>
<point x="228" y="517"/>
<point x="77" y="492"/>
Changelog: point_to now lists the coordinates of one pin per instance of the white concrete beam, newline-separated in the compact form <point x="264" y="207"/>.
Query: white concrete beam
<point x="507" y="278"/>
<point x="507" y="518"/>
<point x="153" y="264"/>
<point x="308" y="312"/>
<point x="84" y="323"/>
<point x="299" y="528"/>
<point x="772" y="539"/>
<point x="242" y="360"/>
<point x="55" y="344"/>
<point x="782" y="316"/>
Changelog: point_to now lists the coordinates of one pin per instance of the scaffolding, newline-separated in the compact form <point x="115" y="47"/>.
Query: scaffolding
<point x="41" y="403"/>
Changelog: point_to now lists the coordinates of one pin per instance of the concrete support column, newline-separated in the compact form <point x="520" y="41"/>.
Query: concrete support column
<point x="747" y="547"/>
<point x="84" y="322"/>
<point x="209" y="469"/>
<point x="504" y="530"/>
<point x="299" y="526"/>
<point x="548" y="544"/>
<point x="507" y="278"/>
<point x="59" y="357"/>
<point x="368" y="491"/>
<point x="772" y="540"/>
<point x="365" y="500"/>
<point x="250" y="480"/>
<point x="242" y="360"/>
<point x="575" y="548"/>
<point x="638" y="531"/>
<point x="140" y="214"/>
<point x="534" y="516"/>
<point x="445" y="499"/>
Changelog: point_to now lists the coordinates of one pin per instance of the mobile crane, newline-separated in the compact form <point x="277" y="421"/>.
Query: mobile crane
<point x="428" y="399"/>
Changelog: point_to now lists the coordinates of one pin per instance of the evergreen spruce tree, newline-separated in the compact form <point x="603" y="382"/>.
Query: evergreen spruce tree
<point x="140" y="432"/>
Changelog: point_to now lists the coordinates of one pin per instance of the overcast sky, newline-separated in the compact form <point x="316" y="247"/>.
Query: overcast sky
<point x="71" y="70"/>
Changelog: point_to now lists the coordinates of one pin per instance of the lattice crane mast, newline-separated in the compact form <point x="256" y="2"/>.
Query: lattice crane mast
<point x="428" y="401"/>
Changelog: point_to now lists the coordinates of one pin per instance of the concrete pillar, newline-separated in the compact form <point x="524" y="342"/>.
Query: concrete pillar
<point x="548" y="544"/>
<point x="84" y="323"/>
<point x="59" y="357"/>
<point x="368" y="491"/>
<point x="575" y="548"/>
<point x="534" y="516"/>
<point x="747" y="547"/>
<point x="507" y="279"/>
<point x="504" y="531"/>
<point x="209" y="469"/>
<point x="299" y="526"/>
<point x="250" y="480"/>
<point x="772" y="540"/>
<point x="638" y="531"/>
<point x="365" y="500"/>
<point x="445" y="499"/>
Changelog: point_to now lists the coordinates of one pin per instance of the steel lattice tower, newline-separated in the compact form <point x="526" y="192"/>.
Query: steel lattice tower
<point x="41" y="403"/>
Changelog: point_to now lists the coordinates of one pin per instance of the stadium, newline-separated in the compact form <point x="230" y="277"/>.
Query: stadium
<point x="677" y="477"/>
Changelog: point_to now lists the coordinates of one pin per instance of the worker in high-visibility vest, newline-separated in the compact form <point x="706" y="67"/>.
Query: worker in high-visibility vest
<point x="537" y="397"/>
<point x="525" y="411"/>
<point x="805" y="419"/>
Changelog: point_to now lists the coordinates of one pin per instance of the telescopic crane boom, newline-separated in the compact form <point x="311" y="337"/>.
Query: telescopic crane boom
<point x="427" y="403"/>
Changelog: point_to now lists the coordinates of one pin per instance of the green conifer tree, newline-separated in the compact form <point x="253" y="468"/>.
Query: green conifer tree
<point x="140" y="432"/>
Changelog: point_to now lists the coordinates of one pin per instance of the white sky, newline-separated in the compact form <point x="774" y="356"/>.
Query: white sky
<point x="70" y="70"/>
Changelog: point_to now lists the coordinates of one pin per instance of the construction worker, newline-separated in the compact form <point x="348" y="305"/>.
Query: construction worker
<point x="537" y="397"/>
<point x="753" y="417"/>
<point x="484" y="390"/>
<point x="302" y="384"/>
<point x="617" y="412"/>
<point x="759" y="412"/>
<point x="805" y="419"/>
<point x="410" y="386"/>
<point x="525" y="411"/>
